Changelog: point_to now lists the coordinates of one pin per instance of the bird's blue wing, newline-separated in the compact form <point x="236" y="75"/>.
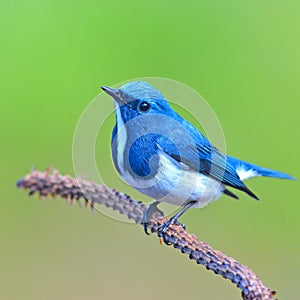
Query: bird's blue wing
<point x="204" y="158"/>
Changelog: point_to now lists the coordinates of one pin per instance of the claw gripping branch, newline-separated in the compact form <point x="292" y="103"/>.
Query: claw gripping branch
<point x="71" y="189"/>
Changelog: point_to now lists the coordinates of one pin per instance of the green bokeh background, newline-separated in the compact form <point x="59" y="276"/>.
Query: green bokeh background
<point x="242" y="56"/>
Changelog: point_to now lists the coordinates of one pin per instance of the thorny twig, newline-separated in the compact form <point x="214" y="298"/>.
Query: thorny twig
<point x="55" y="184"/>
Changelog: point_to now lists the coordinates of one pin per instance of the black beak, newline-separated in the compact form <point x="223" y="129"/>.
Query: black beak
<point x="113" y="93"/>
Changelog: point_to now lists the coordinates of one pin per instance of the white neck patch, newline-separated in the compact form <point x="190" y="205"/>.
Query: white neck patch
<point x="121" y="138"/>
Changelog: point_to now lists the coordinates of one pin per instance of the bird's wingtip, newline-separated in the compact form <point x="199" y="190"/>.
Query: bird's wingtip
<point x="251" y="194"/>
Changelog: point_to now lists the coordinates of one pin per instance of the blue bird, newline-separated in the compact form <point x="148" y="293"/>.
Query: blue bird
<point x="165" y="157"/>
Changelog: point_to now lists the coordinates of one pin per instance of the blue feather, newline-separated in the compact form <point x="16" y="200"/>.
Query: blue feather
<point x="187" y="147"/>
<point x="206" y="159"/>
<point x="260" y="171"/>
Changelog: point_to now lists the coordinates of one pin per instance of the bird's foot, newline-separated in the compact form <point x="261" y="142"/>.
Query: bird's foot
<point x="150" y="213"/>
<point x="164" y="227"/>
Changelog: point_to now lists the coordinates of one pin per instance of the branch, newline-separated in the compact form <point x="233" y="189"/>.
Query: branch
<point x="55" y="184"/>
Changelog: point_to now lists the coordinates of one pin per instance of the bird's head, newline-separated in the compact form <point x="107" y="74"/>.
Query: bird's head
<point x="138" y="98"/>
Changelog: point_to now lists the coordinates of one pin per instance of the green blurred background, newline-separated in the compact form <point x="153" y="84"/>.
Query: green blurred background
<point x="242" y="56"/>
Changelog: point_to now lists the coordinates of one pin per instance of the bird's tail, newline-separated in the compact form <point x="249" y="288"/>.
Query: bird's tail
<point x="247" y="170"/>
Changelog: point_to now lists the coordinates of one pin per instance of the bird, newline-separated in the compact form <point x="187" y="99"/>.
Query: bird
<point x="165" y="157"/>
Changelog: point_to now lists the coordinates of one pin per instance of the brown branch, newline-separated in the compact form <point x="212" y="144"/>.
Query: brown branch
<point x="55" y="184"/>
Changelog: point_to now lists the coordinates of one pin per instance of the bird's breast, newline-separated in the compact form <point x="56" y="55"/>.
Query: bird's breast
<point x="170" y="182"/>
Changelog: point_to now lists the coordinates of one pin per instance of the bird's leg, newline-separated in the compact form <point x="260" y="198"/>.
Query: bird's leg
<point x="163" y="228"/>
<point x="151" y="212"/>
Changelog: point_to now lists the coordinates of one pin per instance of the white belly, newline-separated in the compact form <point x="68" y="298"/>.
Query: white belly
<point x="176" y="185"/>
<point x="182" y="185"/>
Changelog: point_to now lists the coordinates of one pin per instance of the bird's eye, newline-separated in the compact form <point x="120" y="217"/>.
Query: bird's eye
<point x="144" y="106"/>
